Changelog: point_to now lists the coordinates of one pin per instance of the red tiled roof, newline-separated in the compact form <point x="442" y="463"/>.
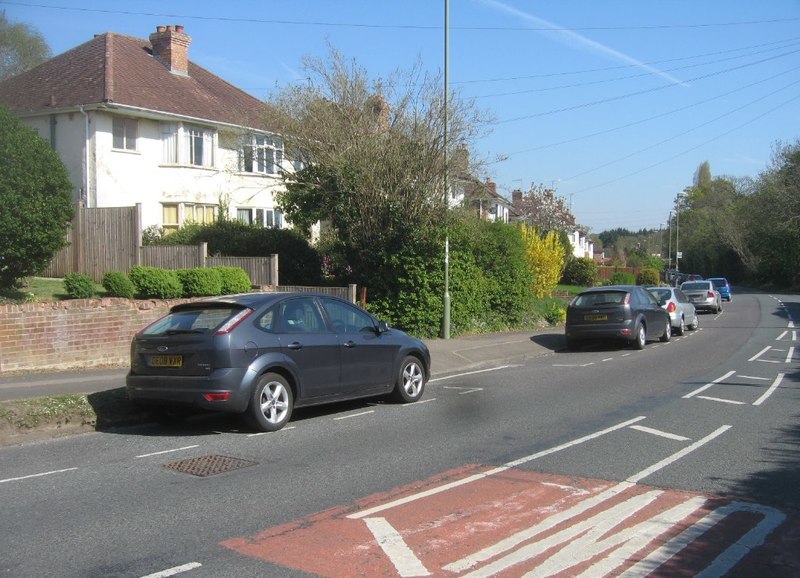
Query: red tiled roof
<point x="119" y="69"/>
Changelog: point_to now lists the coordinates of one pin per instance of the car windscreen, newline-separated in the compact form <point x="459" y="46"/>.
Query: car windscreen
<point x="597" y="298"/>
<point x="694" y="286"/>
<point x="719" y="282"/>
<point x="192" y="320"/>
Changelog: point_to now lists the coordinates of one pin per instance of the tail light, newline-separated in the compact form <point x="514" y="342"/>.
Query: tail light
<point x="671" y="307"/>
<point x="228" y="326"/>
<point x="627" y="300"/>
<point x="710" y="295"/>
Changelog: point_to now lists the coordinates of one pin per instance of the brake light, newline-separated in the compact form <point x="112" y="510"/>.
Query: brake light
<point x="671" y="307"/>
<point x="223" y="396"/>
<point x="710" y="295"/>
<point x="228" y="326"/>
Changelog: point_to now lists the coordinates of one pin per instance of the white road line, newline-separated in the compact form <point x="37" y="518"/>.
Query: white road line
<point x="426" y="400"/>
<point x="636" y="478"/>
<point x="471" y="373"/>
<point x="354" y="415"/>
<point x="37" y="475"/>
<point x="760" y="353"/>
<point x="660" y="433"/>
<point x="769" y="391"/>
<point x="391" y="542"/>
<point x="754" y="377"/>
<point x="263" y="433"/>
<point x="791" y="325"/>
<point x="781" y="336"/>
<point x="790" y="355"/>
<point x="706" y="386"/>
<point x="168" y="451"/>
<point x="608" y="359"/>
<point x="174" y="571"/>
<point x="573" y="364"/>
<point x="720" y="399"/>
<point x="449" y="486"/>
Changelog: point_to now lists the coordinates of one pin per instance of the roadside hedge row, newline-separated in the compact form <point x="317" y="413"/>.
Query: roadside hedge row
<point x="155" y="283"/>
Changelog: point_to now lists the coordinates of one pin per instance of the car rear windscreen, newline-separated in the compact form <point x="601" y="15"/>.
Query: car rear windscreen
<point x="694" y="286"/>
<point x="598" y="298"/>
<point x="193" y="320"/>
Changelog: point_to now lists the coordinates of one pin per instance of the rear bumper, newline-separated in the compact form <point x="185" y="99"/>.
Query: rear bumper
<point x="590" y="332"/>
<point x="160" y="390"/>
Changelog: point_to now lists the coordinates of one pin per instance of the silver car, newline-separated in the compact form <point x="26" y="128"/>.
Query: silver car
<point x="703" y="295"/>
<point x="682" y="313"/>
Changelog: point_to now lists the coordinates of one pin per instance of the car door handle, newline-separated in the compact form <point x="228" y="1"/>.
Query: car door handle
<point x="349" y="344"/>
<point x="295" y="345"/>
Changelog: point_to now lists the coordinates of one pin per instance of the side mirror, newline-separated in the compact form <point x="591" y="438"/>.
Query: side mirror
<point x="383" y="327"/>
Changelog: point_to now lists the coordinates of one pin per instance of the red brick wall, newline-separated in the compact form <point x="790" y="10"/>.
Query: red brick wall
<point x="73" y="333"/>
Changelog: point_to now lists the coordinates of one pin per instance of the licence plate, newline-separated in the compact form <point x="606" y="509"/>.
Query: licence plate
<point x="166" y="361"/>
<point x="595" y="317"/>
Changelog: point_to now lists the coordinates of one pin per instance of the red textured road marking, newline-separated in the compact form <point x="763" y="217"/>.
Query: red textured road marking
<point x="514" y="522"/>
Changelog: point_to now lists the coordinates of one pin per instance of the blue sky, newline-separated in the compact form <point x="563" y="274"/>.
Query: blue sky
<point x="613" y="103"/>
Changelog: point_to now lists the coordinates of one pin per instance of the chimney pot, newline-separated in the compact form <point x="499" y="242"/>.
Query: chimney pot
<point x="171" y="48"/>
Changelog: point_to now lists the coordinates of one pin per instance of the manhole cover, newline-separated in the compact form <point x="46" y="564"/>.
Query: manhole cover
<point x="209" y="465"/>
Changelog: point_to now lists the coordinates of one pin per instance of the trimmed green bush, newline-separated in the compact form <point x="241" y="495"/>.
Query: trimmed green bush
<point x="234" y="280"/>
<point x="79" y="286"/>
<point x="200" y="281"/>
<point x="155" y="283"/>
<point x="118" y="284"/>
<point x="623" y="278"/>
<point x="647" y="277"/>
<point x="580" y="272"/>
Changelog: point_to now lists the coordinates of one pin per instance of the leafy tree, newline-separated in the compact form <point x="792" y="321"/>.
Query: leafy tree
<point x="36" y="201"/>
<point x="540" y="207"/>
<point x="378" y="158"/>
<point x="21" y="48"/>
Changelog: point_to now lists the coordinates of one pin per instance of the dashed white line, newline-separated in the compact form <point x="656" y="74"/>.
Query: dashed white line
<point x="706" y="386"/>
<point x="660" y="433"/>
<point x="354" y="415"/>
<point x="719" y="399"/>
<point x="168" y="451"/>
<point x="790" y="355"/>
<point x="174" y="571"/>
<point x="760" y="353"/>
<point x="471" y="373"/>
<point x="263" y="433"/>
<point x="37" y="475"/>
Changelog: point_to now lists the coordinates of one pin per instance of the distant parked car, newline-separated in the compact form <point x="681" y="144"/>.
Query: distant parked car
<point x="681" y="312"/>
<point x="694" y="277"/>
<point x="627" y="313"/>
<point x="722" y="285"/>
<point x="703" y="295"/>
<point x="263" y="354"/>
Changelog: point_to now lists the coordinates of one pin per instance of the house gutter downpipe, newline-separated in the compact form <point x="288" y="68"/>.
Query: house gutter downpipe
<point x="85" y="176"/>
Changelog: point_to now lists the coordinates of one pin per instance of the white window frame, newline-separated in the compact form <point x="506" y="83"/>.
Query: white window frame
<point x="188" y="145"/>
<point x="124" y="133"/>
<point x="261" y="154"/>
<point x="267" y="218"/>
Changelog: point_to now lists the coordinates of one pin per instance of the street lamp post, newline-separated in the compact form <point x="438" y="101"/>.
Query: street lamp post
<point x="446" y="316"/>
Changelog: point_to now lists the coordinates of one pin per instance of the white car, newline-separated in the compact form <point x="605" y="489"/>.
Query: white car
<point x="703" y="295"/>
<point x="682" y="313"/>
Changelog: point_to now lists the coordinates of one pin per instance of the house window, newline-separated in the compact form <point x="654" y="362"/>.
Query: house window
<point x="269" y="218"/>
<point x="187" y="144"/>
<point x="169" y="217"/>
<point x="203" y="214"/>
<point x="124" y="131"/>
<point x="261" y="154"/>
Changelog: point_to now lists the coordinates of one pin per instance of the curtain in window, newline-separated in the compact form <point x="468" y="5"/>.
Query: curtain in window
<point x="169" y="141"/>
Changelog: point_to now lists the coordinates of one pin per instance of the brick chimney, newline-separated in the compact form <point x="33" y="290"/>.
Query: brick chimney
<point x="171" y="48"/>
<point x="516" y="196"/>
<point x="491" y="186"/>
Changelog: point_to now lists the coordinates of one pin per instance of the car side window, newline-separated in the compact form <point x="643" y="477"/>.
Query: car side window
<point x="267" y="320"/>
<point x="680" y="296"/>
<point x="300" y="316"/>
<point x="347" y="318"/>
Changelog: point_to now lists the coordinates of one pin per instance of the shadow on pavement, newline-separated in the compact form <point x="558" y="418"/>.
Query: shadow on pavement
<point x="551" y="341"/>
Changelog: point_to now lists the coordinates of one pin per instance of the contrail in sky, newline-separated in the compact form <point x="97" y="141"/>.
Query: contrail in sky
<point x="574" y="39"/>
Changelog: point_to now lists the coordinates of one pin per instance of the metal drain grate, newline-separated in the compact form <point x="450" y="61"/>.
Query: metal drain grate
<point x="209" y="465"/>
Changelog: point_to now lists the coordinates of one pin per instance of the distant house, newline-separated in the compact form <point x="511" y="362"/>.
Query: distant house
<point x="136" y="122"/>
<point x="482" y="197"/>
<point x="582" y="246"/>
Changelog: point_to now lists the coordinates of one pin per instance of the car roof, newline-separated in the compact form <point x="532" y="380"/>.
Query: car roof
<point x="252" y="300"/>
<point x="628" y="288"/>
<point x="717" y="279"/>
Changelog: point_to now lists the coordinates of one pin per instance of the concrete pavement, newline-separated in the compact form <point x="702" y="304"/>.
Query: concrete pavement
<point x="448" y="356"/>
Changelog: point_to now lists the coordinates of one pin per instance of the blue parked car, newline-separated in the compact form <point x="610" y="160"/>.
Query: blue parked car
<point x="721" y="284"/>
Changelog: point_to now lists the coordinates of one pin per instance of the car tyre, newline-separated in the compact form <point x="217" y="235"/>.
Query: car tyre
<point x="271" y="403"/>
<point x="681" y="327"/>
<point x="410" y="382"/>
<point x="640" y="334"/>
<point x="667" y="334"/>
<point x="696" y="323"/>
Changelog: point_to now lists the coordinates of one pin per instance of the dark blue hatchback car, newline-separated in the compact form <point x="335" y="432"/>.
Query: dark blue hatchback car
<point x="721" y="284"/>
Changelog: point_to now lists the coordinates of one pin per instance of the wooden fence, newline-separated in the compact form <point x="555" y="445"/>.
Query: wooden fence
<point x="110" y="239"/>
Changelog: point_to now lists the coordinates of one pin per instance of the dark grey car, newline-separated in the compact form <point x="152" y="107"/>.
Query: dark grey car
<point x="263" y="354"/>
<point x="627" y="313"/>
